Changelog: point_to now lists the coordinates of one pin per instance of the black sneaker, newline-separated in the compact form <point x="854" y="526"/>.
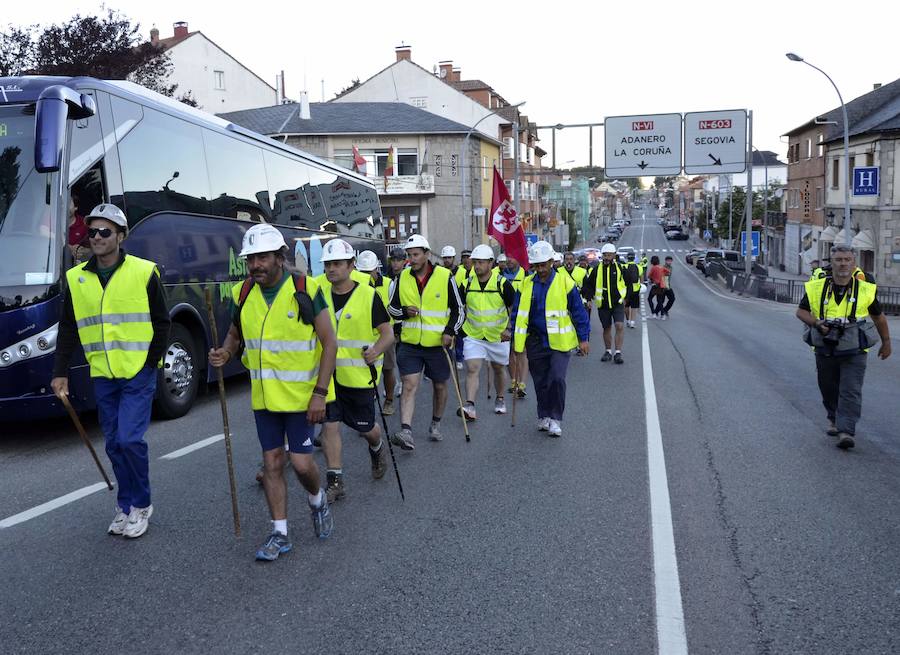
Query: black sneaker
<point x="606" y="356"/>
<point x="618" y="358"/>
<point x="274" y="546"/>
<point x="845" y="441"/>
<point x="334" y="489"/>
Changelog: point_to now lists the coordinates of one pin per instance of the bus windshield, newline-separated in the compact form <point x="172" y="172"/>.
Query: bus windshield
<point x="28" y="261"/>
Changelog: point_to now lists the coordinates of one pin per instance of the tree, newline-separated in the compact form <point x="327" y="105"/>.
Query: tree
<point x="106" y="47"/>
<point x="661" y="181"/>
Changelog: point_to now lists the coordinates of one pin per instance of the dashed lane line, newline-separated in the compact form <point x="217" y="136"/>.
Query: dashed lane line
<point x="78" y="494"/>
<point x="51" y="505"/>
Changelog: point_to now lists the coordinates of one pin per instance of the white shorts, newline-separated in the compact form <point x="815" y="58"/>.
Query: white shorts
<point x="498" y="353"/>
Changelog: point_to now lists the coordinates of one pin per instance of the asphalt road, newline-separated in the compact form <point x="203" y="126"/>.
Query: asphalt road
<point x="511" y="543"/>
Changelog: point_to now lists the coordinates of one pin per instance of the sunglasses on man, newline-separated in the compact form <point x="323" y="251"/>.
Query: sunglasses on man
<point x="102" y="232"/>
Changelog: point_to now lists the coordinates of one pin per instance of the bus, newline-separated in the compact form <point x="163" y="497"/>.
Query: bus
<point x="190" y="183"/>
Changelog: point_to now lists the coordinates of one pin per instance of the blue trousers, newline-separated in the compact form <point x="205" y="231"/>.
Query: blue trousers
<point x="548" y="372"/>
<point x="123" y="407"/>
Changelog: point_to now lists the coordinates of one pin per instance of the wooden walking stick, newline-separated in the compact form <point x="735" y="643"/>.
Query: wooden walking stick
<point x="215" y="337"/>
<point x="84" y="437"/>
<point x="456" y="386"/>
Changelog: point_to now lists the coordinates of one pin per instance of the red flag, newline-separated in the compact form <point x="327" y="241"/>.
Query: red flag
<point x="505" y="226"/>
<point x="359" y="162"/>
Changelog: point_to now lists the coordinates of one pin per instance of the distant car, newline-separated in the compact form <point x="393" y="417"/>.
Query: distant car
<point x="624" y="251"/>
<point x="689" y="258"/>
<point x="676" y="235"/>
<point x="660" y="221"/>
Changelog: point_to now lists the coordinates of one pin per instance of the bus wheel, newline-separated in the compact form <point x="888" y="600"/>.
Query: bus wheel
<point x="178" y="379"/>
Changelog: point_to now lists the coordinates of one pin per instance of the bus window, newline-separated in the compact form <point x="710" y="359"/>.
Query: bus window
<point x="237" y="178"/>
<point x="349" y="207"/>
<point x="85" y="194"/>
<point x="163" y="167"/>
<point x="287" y="182"/>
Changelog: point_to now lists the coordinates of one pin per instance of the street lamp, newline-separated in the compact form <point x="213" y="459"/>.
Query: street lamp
<point x="462" y="165"/>
<point x="795" y="57"/>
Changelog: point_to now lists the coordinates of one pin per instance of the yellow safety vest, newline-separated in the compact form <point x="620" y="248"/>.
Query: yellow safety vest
<point x="560" y="329"/>
<point x="354" y="330"/>
<point x="602" y="295"/>
<point x="427" y="328"/>
<point x="114" y="322"/>
<point x="635" y="286"/>
<point x="462" y="275"/>
<point x="865" y="296"/>
<point x="577" y="274"/>
<point x="486" y="314"/>
<point x="383" y="289"/>
<point x="282" y="352"/>
<point x="518" y="279"/>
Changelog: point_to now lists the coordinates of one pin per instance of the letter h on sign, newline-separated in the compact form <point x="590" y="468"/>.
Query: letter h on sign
<point x="865" y="181"/>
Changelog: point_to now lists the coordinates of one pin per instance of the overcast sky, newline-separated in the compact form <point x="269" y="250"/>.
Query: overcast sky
<point x="571" y="62"/>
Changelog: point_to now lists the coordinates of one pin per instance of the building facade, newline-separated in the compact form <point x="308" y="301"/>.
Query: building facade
<point x="216" y="80"/>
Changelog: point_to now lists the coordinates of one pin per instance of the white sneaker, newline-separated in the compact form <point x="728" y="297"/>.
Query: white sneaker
<point x="500" y="406"/>
<point x="555" y="429"/>
<point x="138" y="521"/>
<point x="543" y="424"/>
<point x="119" y="522"/>
<point x="662" y="317"/>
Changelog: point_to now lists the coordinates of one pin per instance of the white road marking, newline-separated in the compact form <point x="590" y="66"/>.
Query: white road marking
<point x="51" y="505"/>
<point x="203" y="443"/>
<point x="670" y="631"/>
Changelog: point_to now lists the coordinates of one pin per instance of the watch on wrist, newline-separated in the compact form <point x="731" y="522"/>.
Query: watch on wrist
<point x="320" y="391"/>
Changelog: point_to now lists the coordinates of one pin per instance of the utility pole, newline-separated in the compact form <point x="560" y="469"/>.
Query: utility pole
<point x="516" y="163"/>
<point x="748" y="225"/>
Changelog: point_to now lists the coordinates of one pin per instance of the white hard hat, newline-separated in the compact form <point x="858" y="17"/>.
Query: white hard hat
<point x="262" y="238"/>
<point x="540" y="252"/>
<point x="483" y="251"/>
<point x="501" y="258"/>
<point x="416" y="241"/>
<point x="110" y="213"/>
<point x="367" y="261"/>
<point x="557" y="257"/>
<point x="337" y="250"/>
<point x="607" y="247"/>
<point x="448" y="251"/>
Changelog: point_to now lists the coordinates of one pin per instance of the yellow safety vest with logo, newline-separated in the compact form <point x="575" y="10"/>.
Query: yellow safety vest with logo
<point x="486" y="315"/>
<point x="113" y="322"/>
<point x="560" y="329"/>
<point x="282" y="352"/>
<point x="433" y="304"/>
<point x="354" y="330"/>
<point x="602" y="295"/>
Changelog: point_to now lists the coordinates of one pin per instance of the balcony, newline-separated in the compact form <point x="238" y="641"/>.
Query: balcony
<point x="405" y="185"/>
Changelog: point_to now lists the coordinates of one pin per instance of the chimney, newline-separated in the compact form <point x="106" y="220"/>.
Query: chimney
<point x="456" y="75"/>
<point x="876" y="86"/>
<point x="154" y="36"/>
<point x="446" y="70"/>
<point x="304" y="106"/>
<point x="181" y="29"/>
<point x="403" y="52"/>
<point x="279" y="88"/>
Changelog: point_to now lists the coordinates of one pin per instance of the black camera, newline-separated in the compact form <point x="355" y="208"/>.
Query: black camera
<point x="835" y="331"/>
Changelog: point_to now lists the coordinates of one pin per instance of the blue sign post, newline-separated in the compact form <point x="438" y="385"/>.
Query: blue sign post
<point x="865" y="181"/>
<point x="755" y="237"/>
<point x="531" y="238"/>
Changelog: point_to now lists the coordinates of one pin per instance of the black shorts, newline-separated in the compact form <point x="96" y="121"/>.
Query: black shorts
<point x="412" y="359"/>
<point x="609" y="316"/>
<point x="353" y="407"/>
<point x="633" y="299"/>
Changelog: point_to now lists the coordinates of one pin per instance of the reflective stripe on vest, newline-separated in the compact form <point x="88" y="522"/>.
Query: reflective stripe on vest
<point x="434" y="307"/>
<point x="602" y="295"/>
<point x="560" y="329"/>
<point x="282" y="352"/>
<point x="354" y="331"/>
<point x="113" y="323"/>
<point x="486" y="315"/>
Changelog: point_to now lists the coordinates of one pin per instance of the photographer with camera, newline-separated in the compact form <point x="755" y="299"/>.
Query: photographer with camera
<point x="836" y="309"/>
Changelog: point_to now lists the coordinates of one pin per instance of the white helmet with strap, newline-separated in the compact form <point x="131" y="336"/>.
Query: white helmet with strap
<point x="448" y="251"/>
<point x="607" y="247"/>
<point x="482" y="251"/>
<point x="367" y="261"/>
<point x="416" y="241"/>
<point x="110" y="213"/>
<point x="540" y="252"/>
<point x="262" y="238"/>
<point x="337" y="250"/>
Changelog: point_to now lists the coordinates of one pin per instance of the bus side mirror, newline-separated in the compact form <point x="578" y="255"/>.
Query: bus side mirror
<point x="55" y="106"/>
